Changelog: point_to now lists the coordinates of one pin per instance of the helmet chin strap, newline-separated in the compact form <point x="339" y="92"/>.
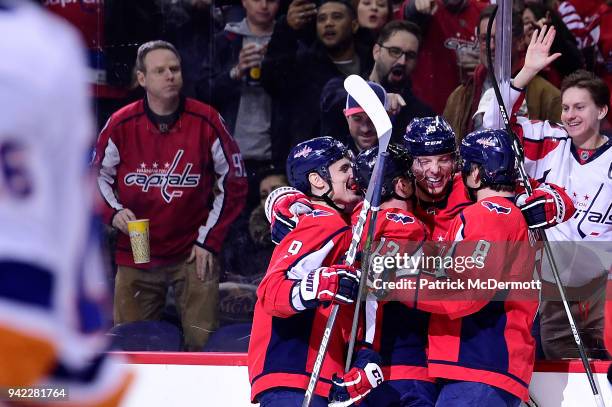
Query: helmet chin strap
<point x="472" y="191"/>
<point x="329" y="201"/>
<point x="326" y="198"/>
<point x="395" y="195"/>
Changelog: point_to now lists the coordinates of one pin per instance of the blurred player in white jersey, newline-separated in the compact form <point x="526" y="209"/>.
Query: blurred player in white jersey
<point x="51" y="277"/>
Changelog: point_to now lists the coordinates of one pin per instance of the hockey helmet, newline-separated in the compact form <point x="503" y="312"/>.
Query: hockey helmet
<point x="492" y="150"/>
<point x="315" y="155"/>
<point x="397" y="165"/>
<point x="429" y="136"/>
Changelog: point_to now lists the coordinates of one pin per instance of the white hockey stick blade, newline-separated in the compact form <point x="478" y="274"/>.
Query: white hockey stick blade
<point x="359" y="89"/>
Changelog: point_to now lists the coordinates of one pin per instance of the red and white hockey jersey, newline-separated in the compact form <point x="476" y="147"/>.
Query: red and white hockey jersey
<point x="484" y="334"/>
<point x="189" y="182"/>
<point x="285" y="339"/>
<point x="551" y="157"/>
<point x="400" y="335"/>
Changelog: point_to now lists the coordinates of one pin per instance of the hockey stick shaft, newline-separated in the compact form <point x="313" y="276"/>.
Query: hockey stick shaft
<point x="365" y="258"/>
<point x="520" y="165"/>
<point x="368" y="100"/>
<point x="375" y="184"/>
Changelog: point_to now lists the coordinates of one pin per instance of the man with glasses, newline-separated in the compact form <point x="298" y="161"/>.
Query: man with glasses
<point x="395" y="58"/>
<point x="394" y="54"/>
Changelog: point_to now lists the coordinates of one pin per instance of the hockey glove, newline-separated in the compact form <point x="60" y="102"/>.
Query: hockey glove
<point x="283" y="208"/>
<point x="355" y="384"/>
<point x="547" y="207"/>
<point x="336" y="284"/>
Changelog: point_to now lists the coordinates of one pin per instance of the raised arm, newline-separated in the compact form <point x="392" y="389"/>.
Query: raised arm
<point x="537" y="57"/>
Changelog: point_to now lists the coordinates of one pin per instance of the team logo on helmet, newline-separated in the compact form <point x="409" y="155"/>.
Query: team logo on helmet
<point x="400" y="218"/>
<point x="486" y="142"/>
<point x="493" y="207"/>
<point x="303" y="152"/>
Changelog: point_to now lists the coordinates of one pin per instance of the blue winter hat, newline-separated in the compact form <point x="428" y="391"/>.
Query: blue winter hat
<point x="352" y="107"/>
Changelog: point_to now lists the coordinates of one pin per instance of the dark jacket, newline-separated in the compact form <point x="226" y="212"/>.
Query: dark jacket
<point x="223" y="92"/>
<point x="333" y="121"/>
<point x="296" y="73"/>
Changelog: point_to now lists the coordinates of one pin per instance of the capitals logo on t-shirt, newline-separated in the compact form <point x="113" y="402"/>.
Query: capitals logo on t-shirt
<point x="400" y="218"/>
<point x="493" y="207"/>
<point x="164" y="178"/>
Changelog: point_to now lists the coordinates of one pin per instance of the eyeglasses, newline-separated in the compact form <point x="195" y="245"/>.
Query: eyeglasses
<point x="397" y="52"/>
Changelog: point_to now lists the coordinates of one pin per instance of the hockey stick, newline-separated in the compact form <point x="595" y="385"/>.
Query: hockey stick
<point x="520" y="164"/>
<point x="367" y="99"/>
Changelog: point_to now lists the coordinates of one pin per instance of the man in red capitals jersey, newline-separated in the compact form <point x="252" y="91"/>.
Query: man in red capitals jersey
<point x="169" y="159"/>
<point x="303" y="279"/>
<point x="400" y="334"/>
<point x="480" y="342"/>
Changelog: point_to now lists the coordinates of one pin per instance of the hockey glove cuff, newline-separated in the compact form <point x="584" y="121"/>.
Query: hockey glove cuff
<point x="355" y="384"/>
<point x="336" y="284"/>
<point x="548" y="206"/>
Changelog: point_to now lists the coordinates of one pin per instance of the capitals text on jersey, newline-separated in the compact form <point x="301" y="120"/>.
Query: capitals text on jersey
<point x="164" y="178"/>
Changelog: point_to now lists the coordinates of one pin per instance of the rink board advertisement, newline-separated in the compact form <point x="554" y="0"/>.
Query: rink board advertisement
<point x="221" y="379"/>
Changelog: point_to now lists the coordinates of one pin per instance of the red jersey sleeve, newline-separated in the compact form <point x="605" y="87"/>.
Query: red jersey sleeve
<point x="319" y="240"/>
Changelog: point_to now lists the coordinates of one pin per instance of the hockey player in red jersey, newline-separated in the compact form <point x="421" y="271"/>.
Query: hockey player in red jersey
<point x="400" y="335"/>
<point x="480" y="343"/>
<point x="440" y="193"/>
<point x="305" y="276"/>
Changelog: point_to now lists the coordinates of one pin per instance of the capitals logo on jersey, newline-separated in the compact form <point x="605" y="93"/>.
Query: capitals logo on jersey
<point x="163" y="178"/>
<point x="591" y="209"/>
<point x="493" y="207"/>
<point x="399" y="218"/>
